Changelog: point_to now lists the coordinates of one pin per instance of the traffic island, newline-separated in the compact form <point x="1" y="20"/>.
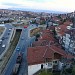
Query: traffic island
<point x="33" y="32"/>
<point x="1" y="30"/>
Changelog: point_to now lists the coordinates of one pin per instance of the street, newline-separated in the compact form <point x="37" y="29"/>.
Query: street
<point x="23" y="44"/>
<point x="5" y="38"/>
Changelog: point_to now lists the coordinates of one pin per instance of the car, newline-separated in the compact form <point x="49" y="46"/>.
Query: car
<point x="6" y="37"/>
<point x="0" y="41"/>
<point x="25" y="26"/>
<point x="22" y="38"/>
<point x="8" y="33"/>
<point x="3" y="46"/>
<point x="3" y="38"/>
<point x="18" y="48"/>
<point x="10" y="29"/>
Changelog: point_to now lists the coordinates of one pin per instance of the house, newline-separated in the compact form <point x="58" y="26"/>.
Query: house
<point x="46" y="38"/>
<point x="63" y="34"/>
<point x="37" y="60"/>
<point x="45" y="57"/>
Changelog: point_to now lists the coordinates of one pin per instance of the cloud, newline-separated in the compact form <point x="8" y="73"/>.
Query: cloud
<point x="11" y="4"/>
<point x="60" y="5"/>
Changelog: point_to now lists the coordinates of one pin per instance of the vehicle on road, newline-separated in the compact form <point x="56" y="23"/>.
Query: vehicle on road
<point x="22" y="38"/>
<point x="19" y="58"/>
<point x="25" y="26"/>
<point x="18" y="49"/>
<point x="3" y="38"/>
<point x="9" y="29"/>
<point x="3" y="46"/>
<point x="16" y="67"/>
<point x="8" y="33"/>
<point x="0" y="41"/>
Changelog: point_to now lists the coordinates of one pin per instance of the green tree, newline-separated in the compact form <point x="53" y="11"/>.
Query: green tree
<point x="73" y="71"/>
<point x="37" y="35"/>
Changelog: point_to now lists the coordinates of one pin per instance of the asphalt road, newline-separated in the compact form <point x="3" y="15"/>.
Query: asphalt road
<point x="6" y="38"/>
<point x="23" y="44"/>
<point x="23" y="48"/>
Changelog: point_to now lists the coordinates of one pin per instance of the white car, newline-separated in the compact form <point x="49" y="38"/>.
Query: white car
<point x="10" y="29"/>
<point x="3" y="46"/>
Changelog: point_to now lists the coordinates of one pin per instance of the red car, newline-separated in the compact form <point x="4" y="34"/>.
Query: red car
<point x="25" y="26"/>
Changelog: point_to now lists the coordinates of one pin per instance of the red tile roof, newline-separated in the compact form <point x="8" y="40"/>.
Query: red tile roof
<point x="47" y="35"/>
<point x="41" y="43"/>
<point x="63" y="28"/>
<point x="36" y="55"/>
<point x="56" y="18"/>
<point x="42" y="49"/>
<point x="57" y="49"/>
<point x="67" y="23"/>
<point x="69" y="56"/>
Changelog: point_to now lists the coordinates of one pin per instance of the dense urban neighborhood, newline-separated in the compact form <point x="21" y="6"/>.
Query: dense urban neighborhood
<point x="37" y="43"/>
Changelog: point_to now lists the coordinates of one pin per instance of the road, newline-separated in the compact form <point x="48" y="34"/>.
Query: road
<point x="23" y="44"/>
<point x="6" y="37"/>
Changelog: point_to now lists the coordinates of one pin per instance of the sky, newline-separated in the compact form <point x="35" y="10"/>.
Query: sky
<point x="54" y="5"/>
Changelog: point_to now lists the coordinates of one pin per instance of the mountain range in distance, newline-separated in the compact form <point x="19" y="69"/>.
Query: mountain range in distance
<point x="38" y="10"/>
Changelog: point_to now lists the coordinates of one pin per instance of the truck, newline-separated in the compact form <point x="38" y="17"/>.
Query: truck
<point x="19" y="58"/>
<point x="17" y="64"/>
<point x="16" y="69"/>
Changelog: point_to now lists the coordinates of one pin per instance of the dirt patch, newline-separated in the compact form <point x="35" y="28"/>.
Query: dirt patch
<point x="1" y="30"/>
<point x="33" y="32"/>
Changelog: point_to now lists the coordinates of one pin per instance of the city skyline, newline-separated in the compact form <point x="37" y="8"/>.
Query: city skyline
<point x="54" y="5"/>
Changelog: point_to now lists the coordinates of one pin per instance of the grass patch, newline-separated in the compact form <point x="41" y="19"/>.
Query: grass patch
<point x="43" y="72"/>
<point x="33" y="32"/>
<point x="1" y="30"/>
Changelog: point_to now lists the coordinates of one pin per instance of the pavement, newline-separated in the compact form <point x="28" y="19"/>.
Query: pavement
<point x="6" y="37"/>
<point x="23" y="44"/>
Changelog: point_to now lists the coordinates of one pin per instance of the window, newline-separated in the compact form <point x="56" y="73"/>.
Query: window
<point x="49" y="64"/>
<point x="55" y="62"/>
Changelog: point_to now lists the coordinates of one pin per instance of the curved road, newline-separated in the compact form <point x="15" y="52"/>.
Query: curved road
<point x="23" y="44"/>
<point x="6" y="37"/>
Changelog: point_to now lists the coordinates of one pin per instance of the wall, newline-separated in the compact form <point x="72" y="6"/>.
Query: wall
<point x="48" y="65"/>
<point x="60" y="66"/>
<point x="32" y="69"/>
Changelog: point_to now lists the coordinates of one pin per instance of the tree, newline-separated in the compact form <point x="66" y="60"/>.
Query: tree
<point x="37" y="35"/>
<point x="73" y="71"/>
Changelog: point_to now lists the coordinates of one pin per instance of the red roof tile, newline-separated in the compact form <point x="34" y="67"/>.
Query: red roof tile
<point x="69" y="56"/>
<point x="41" y="43"/>
<point x="36" y="55"/>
